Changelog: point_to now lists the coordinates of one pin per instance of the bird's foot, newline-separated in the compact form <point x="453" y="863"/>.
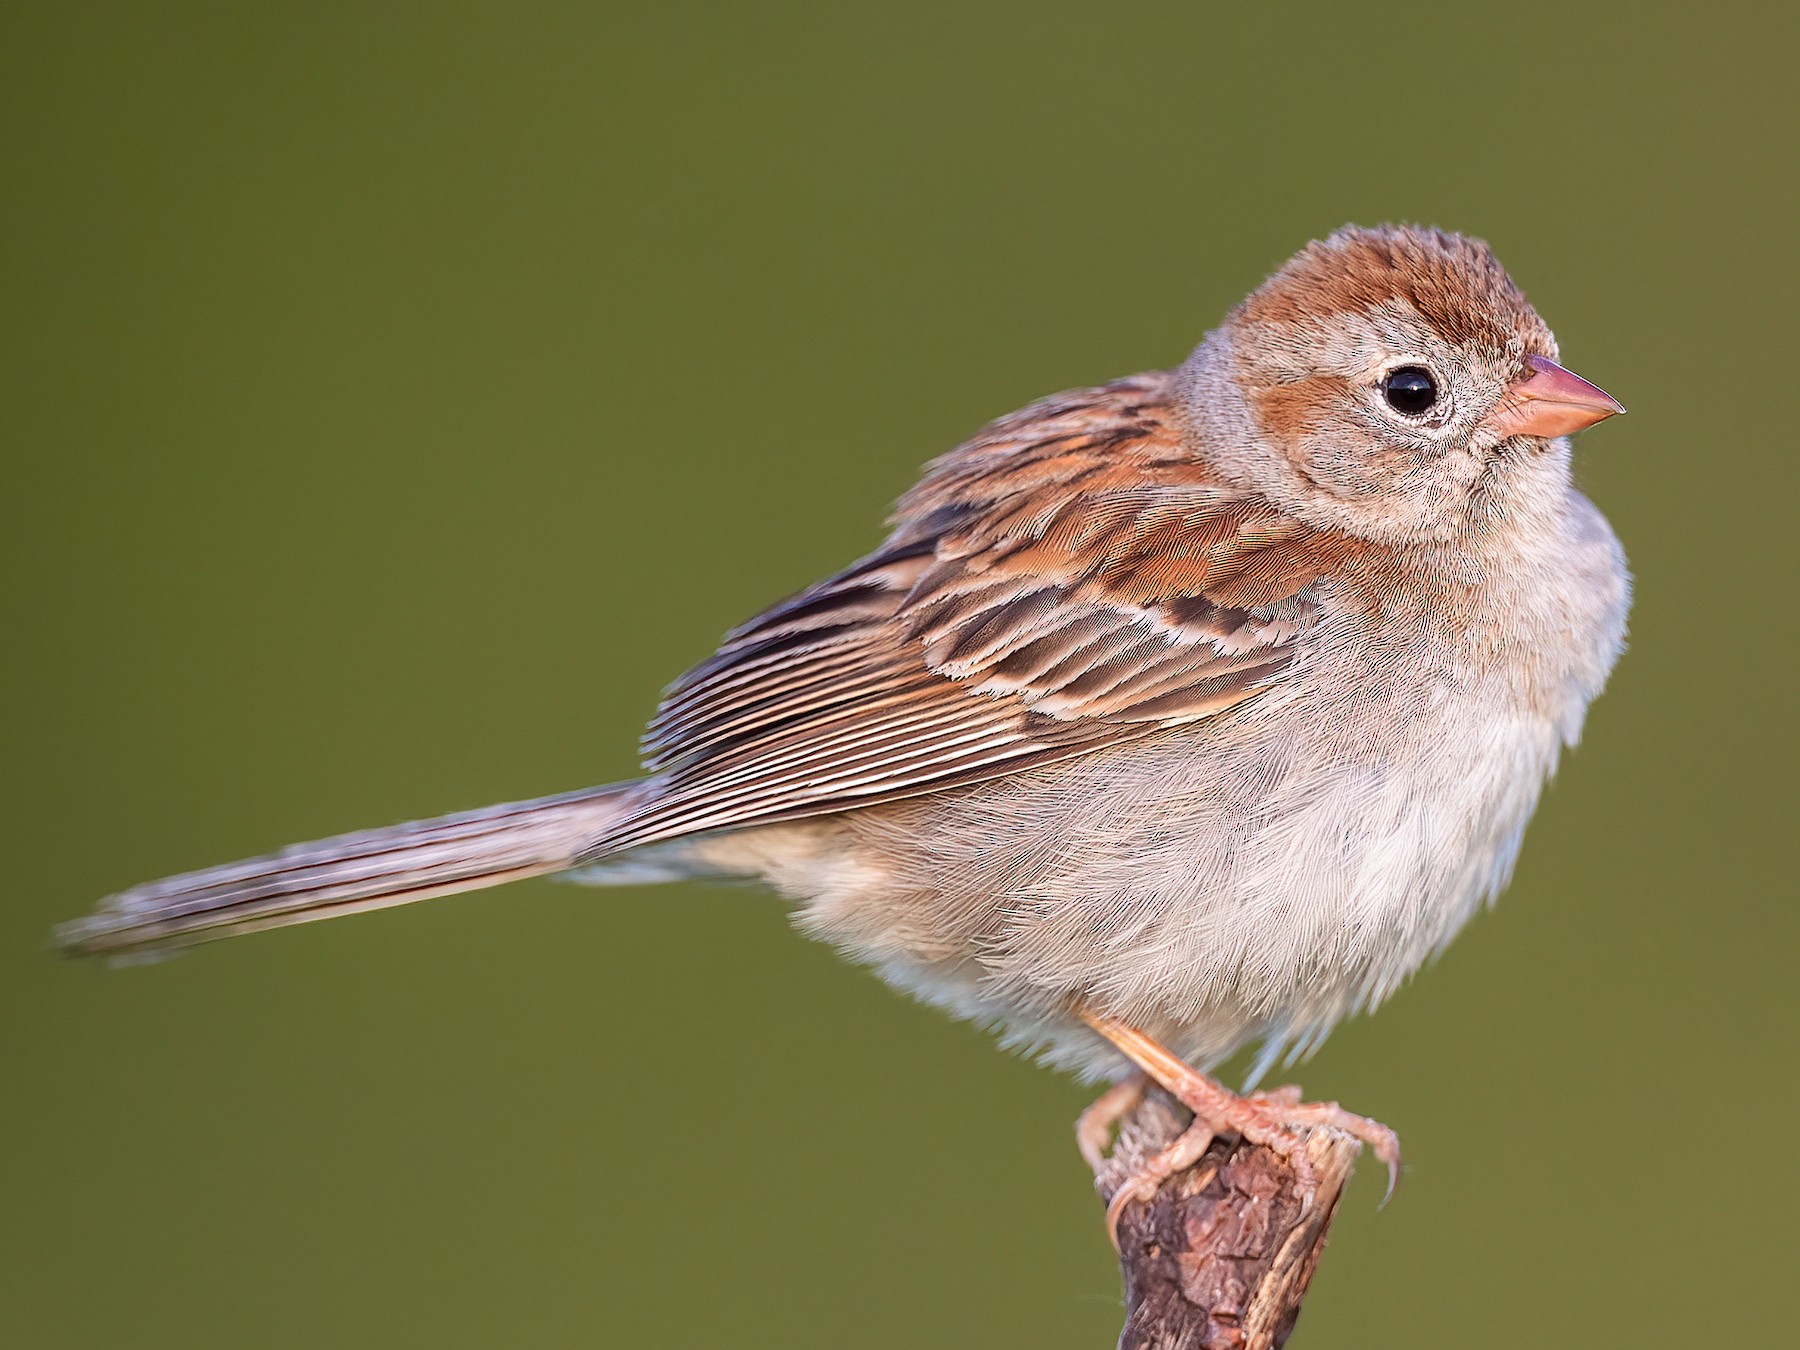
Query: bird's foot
<point x="1277" y="1120"/>
<point x="1147" y="1179"/>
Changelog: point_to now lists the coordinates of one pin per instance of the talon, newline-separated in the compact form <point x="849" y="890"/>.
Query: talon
<point x="1380" y="1140"/>
<point x="1115" y="1208"/>
<point x="1148" y="1179"/>
<point x="1094" y="1127"/>
<point x="1273" y="1119"/>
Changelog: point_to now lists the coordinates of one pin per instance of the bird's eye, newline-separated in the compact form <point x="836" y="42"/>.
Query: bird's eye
<point x="1410" y="390"/>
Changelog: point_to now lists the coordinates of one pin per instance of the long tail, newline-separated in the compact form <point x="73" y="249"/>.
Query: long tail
<point x="371" y="869"/>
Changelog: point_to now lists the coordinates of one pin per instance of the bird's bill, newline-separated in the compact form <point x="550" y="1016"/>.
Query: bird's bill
<point x="1551" y="401"/>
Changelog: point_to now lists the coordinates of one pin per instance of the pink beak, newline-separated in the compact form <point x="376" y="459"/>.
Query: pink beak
<point x="1551" y="401"/>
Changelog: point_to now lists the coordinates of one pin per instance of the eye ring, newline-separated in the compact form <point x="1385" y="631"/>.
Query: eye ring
<point x="1411" y="391"/>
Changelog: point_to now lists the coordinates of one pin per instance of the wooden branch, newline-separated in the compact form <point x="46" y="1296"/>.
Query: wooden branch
<point x="1220" y="1257"/>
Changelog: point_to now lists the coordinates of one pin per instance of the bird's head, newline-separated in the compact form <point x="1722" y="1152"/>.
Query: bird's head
<point x="1391" y="383"/>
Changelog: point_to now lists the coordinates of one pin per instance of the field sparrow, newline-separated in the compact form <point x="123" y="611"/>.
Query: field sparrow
<point x="1193" y="710"/>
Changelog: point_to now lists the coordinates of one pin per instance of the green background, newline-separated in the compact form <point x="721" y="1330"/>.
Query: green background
<point x="395" y="397"/>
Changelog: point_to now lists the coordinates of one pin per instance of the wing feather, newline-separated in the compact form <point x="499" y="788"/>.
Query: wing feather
<point x="1072" y="578"/>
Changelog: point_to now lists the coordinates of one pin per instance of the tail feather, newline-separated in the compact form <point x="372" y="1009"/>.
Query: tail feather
<point x="371" y="869"/>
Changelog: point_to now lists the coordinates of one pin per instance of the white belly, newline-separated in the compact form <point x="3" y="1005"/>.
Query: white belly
<point x="1267" y="895"/>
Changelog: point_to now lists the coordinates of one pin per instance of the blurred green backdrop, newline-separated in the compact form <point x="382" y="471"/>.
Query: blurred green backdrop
<point x="395" y="396"/>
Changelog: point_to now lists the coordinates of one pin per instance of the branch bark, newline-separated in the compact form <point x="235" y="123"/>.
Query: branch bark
<point x="1220" y="1258"/>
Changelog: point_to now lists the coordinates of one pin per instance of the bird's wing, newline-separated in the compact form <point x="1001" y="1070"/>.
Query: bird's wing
<point x="1072" y="578"/>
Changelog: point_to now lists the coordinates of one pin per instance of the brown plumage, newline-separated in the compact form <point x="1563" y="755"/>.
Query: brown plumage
<point x="1066" y="580"/>
<point x="1453" y="282"/>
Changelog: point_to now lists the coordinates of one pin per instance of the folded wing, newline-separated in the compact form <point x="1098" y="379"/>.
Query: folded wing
<point x="1072" y="578"/>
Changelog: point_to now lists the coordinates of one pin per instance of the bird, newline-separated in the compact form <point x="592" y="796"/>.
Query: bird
<point x="1186" y="713"/>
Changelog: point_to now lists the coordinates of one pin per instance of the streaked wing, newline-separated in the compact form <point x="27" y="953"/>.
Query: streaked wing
<point x="1071" y="578"/>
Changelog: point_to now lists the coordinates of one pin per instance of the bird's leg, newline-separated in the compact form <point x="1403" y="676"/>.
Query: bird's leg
<point x="1274" y="1120"/>
<point x="1094" y="1128"/>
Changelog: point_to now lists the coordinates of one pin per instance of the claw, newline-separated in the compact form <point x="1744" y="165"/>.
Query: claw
<point x="1094" y="1127"/>
<point x="1275" y="1120"/>
<point x="1381" y="1141"/>
<point x="1148" y="1179"/>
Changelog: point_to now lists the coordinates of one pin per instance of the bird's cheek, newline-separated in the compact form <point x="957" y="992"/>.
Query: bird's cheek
<point x="1292" y="414"/>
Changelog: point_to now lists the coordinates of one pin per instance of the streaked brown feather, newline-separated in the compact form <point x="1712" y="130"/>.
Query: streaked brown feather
<point x="1071" y="578"/>
<point x="1455" y="282"/>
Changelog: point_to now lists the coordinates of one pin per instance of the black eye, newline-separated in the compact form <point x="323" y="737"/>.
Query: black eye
<point x="1410" y="390"/>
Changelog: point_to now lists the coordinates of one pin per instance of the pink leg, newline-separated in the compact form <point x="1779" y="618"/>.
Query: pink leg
<point x="1275" y="1120"/>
